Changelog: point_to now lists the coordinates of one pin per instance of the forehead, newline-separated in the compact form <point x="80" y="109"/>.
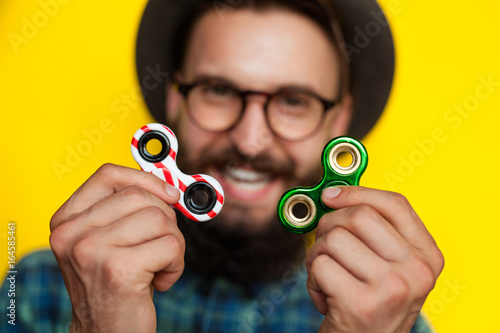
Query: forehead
<point x="263" y="50"/>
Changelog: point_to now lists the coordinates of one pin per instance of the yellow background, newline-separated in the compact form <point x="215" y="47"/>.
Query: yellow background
<point x="75" y="74"/>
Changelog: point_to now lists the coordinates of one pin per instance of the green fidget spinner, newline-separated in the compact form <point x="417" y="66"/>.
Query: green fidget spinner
<point x="301" y="208"/>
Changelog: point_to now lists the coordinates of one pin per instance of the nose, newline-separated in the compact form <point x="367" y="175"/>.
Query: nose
<point x="252" y="134"/>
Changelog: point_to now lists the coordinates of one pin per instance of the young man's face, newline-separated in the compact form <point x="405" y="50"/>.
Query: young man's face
<point x="260" y="51"/>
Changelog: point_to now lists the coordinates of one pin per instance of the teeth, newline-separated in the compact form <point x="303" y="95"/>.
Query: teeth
<point x="248" y="186"/>
<point x="247" y="180"/>
<point x="248" y="175"/>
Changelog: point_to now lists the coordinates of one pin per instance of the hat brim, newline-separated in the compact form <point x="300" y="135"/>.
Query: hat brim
<point x="368" y="44"/>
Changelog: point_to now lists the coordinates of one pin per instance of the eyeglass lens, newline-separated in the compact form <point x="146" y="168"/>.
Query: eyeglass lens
<point x="290" y="114"/>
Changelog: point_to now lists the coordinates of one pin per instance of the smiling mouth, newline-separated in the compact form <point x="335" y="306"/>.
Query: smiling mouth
<point x="246" y="179"/>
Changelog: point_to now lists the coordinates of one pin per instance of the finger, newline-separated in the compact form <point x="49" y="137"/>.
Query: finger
<point x="120" y="204"/>
<point x="110" y="179"/>
<point x="163" y="257"/>
<point x="142" y="226"/>
<point x="394" y="207"/>
<point x="366" y="224"/>
<point x="351" y="253"/>
<point x="327" y="278"/>
<point x="112" y="210"/>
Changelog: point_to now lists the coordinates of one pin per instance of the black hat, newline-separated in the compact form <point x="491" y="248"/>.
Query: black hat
<point x="368" y="45"/>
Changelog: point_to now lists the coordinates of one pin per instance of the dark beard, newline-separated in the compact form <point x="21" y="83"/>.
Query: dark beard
<point x="233" y="249"/>
<point x="239" y="254"/>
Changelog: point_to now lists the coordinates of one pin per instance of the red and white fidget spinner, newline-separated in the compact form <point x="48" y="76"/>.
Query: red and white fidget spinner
<point x="202" y="196"/>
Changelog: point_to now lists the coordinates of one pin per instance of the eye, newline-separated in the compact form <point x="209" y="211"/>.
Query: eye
<point x="293" y="101"/>
<point x="218" y="90"/>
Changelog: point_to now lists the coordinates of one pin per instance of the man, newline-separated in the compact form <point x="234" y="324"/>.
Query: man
<point x="119" y="244"/>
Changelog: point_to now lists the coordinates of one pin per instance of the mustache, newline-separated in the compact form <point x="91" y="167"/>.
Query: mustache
<point x="231" y="158"/>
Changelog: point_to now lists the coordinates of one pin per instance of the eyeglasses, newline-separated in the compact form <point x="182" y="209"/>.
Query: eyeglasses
<point x="216" y="106"/>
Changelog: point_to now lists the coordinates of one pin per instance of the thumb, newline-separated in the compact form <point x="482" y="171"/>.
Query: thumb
<point x="330" y="194"/>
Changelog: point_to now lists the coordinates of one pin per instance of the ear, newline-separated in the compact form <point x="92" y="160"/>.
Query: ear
<point x="173" y="102"/>
<point x="342" y="118"/>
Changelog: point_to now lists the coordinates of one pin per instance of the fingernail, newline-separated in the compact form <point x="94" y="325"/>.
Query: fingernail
<point x="331" y="192"/>
<point x="171" y="190"/>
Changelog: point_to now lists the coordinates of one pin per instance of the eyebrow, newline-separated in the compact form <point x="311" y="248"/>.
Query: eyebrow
<point x="224" y="80"/>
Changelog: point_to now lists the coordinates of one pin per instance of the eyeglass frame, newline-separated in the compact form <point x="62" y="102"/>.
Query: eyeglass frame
<point x="185" y="89"/>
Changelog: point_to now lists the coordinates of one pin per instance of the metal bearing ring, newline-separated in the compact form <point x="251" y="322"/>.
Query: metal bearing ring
<point x="345" y="147"/>
<point x="292" y="202"/>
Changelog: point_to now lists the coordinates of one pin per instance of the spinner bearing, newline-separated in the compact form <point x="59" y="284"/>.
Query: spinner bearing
<point x="202" y="196"/>
<point x="301" y="208"/>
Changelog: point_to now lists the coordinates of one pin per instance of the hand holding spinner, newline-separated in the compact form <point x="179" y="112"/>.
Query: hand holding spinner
<point x="202" y="196"/>
<point x="301" y="208"/>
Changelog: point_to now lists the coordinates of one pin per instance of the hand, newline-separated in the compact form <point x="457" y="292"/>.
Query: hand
<point x="373" y="263"/>
<point x="114" y="239"/>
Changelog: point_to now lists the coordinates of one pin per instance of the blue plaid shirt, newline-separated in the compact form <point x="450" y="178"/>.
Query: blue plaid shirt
<point x="191" y="305"/>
